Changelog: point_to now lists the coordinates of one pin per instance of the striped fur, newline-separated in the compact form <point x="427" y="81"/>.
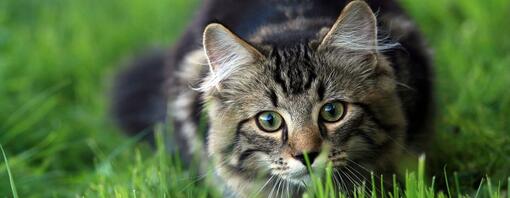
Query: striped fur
<point x="293" y="64"/>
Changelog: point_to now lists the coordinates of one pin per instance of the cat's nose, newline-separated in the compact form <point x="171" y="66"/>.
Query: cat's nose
<point x="301" y="157"/>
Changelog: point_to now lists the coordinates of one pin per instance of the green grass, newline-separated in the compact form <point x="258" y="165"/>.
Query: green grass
<point x="57" y="59"/>
<point x="11" y="181"/>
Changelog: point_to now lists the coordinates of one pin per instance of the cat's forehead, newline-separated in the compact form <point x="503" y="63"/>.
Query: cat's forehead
<point x="294" y="78"/>
<point x="293" y="68"/>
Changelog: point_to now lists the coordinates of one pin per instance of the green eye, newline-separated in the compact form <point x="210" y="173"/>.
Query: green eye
<point x="332" y="112"/>
<point x="269" y="121"/>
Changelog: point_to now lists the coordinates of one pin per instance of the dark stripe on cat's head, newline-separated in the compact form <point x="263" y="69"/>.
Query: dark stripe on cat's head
<point x="274" y="98"/>
<point x="321" y="90"/>
<point x="293" y="69"/>
<point x="228" y="150"/>
<point x="285" y="135"/>
<point x="380" y="123"/>
<point x="255" y="143"/>
<point x="323" y="130"/>
<point x="247" y="153"/>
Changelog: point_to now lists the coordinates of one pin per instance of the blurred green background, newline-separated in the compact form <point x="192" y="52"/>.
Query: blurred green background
<point x="58" y="57"/>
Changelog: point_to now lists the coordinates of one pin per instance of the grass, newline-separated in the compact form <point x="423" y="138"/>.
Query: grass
<point x="11" y="181"/>
<point x="57" y="58"/>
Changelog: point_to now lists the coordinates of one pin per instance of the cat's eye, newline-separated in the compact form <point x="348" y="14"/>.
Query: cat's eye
<point x="269" y="121"/>
<point x="332" y="111"/>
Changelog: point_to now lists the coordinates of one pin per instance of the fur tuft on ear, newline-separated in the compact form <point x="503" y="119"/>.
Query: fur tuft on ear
<point x="355" y="29"/>
<point x="225" y="52"/>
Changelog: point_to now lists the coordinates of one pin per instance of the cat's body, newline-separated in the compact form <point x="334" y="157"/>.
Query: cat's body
<point x="291" y="48"/>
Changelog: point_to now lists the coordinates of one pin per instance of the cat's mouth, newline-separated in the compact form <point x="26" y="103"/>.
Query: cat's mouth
<point x="296" y="172"/>
<point x="299" y="176"/>
<point x="302" y="175"/>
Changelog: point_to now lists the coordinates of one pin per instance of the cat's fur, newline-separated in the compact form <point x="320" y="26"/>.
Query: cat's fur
<point x="290" y="57"/>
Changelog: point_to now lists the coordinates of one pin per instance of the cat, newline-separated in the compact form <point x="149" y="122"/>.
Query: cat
<point x="285" y="83"/>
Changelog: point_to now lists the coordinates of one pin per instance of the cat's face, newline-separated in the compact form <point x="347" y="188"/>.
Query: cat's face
<point x="272" y="113"/>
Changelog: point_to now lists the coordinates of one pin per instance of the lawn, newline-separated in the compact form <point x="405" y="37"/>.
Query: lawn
<point x="58" y="57"/>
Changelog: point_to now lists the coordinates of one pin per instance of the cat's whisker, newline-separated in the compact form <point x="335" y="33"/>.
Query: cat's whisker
<point x="298" y="189"/>
<point x="341" y="185"/>
<point x="336" y="182"/>
<point x="278" y="190"/>
<point x="278" y="180"/>
<point x="347" y="189"/>
<point x="352" y="180"/>
<point x="366" y="180"/>
<point x="368" y="171"/>
<point x="356" y="173"/>
<point x="404" y="85"/>
<point x="404" y="148"/>
<point x="342" y="182"/>
<point x="277" y="187"/>
<point x="265" y="184"/>
<point x="348" y="168"/>
<point x="287" y="188"/>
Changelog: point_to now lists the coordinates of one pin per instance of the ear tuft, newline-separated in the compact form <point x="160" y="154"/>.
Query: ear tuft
<point x="355" y="29"/>
<point x="225" y="53"/>
<point x="224" y="49"/>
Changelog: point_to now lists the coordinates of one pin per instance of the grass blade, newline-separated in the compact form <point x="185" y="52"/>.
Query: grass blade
<point x="446" y="182"/>
<point x="11" y="180"/>
<point x="479" y="188"/>
<point x="489" y="186"/>
<point x="457" y="185"/>
<point x="508" y="188"/>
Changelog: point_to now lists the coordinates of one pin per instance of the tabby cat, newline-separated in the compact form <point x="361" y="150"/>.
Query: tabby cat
<point x="285" y="83"/>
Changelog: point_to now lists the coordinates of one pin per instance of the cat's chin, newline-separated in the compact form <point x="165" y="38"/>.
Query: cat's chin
<point x="299" y="178"/>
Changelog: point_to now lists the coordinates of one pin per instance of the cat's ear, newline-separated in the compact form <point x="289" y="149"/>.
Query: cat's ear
<point x="356" y="29"/>
<point x="225" y="50"/>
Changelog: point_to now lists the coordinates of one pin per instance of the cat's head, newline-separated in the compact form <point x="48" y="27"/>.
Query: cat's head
<point x="333" y="98"/>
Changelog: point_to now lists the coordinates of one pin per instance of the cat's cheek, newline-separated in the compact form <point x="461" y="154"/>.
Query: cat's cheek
<point x="261" y="163"/>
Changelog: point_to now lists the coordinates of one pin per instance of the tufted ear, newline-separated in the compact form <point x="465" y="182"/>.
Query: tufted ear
<point x="355" y="29"/>
<point x="225" y="50"/>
